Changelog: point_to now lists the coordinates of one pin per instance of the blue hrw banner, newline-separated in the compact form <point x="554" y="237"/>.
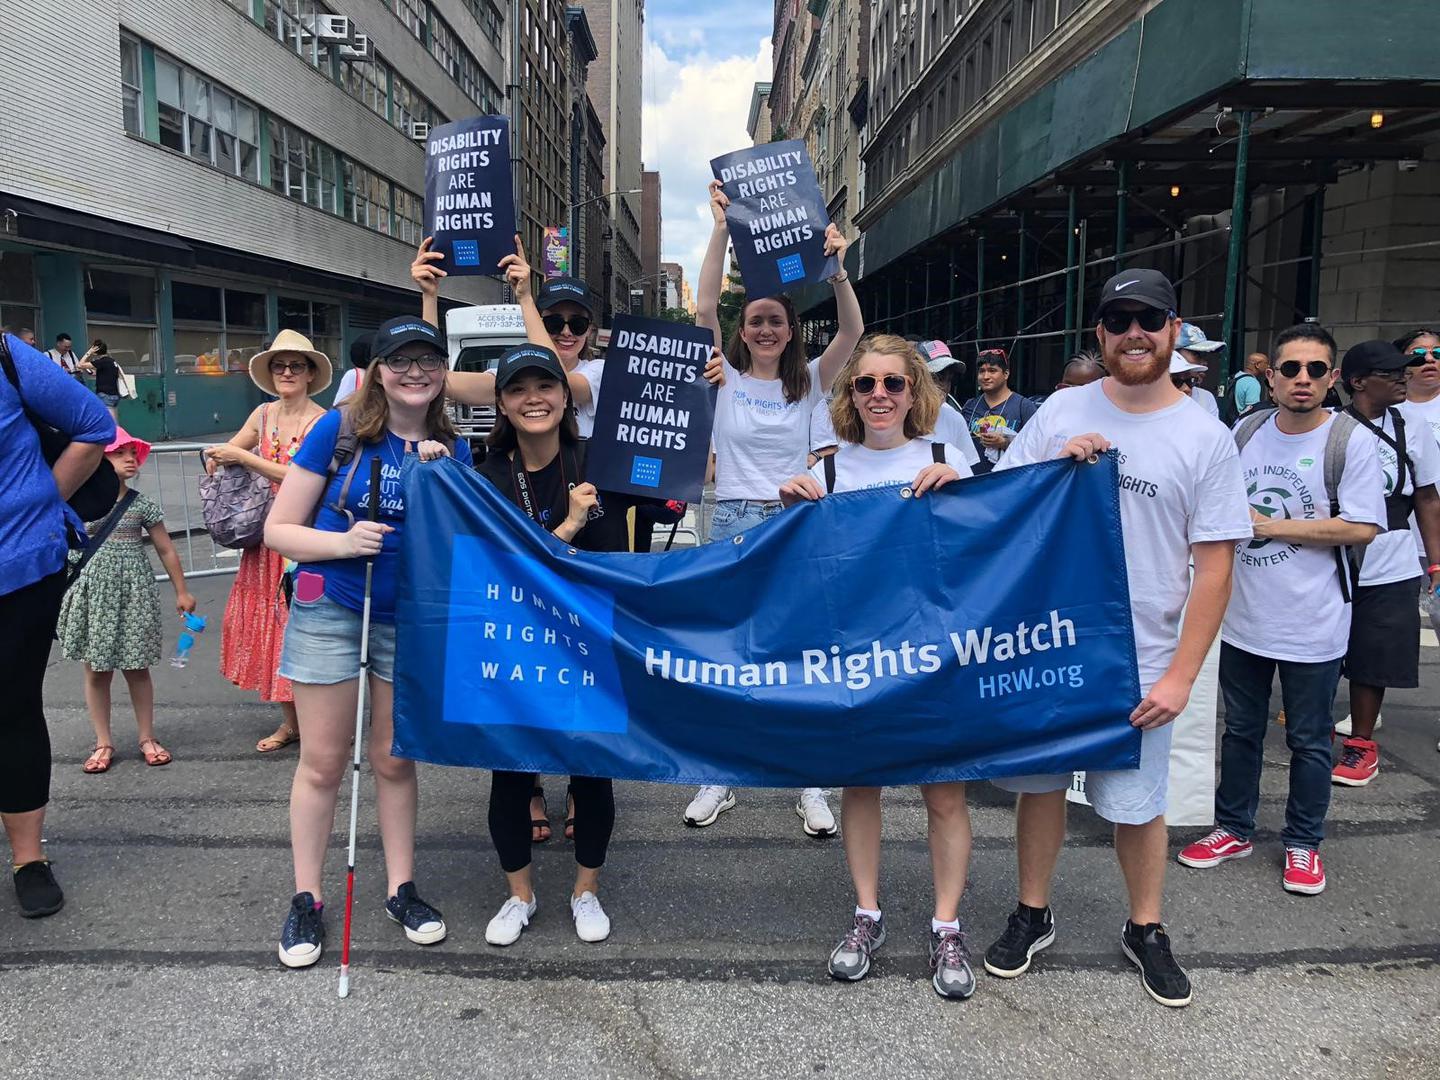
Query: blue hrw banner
<point x="469" y="198"/>
<point x="777" y="217"/>
<point x="652" y="423"/>
<point x="869" y="638"/>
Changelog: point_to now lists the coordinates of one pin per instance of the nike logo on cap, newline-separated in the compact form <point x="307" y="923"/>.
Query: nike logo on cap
<point x="1126" y="284"/>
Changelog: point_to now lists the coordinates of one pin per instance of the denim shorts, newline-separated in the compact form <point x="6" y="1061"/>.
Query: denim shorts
<point x="1121" y="796"/>
<point x="734" y="516"/>
<point x="110" y="401"/>
<point x="322" y="644"/>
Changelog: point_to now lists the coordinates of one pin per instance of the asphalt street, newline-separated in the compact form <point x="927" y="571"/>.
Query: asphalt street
<point x="163" y="962"/>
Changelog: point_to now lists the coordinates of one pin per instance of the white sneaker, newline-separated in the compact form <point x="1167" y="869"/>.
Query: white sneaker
<point x="1343" y="728"/>
<point x="815" y="812"/>
<point x="709" y="803"/>
<point x="591" y="922"/>
<point x="510" y="921"/>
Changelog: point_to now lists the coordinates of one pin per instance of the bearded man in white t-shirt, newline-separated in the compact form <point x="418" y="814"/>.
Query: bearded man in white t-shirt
<point x="1291" y="610"/>
<point x="1181" y="499"/>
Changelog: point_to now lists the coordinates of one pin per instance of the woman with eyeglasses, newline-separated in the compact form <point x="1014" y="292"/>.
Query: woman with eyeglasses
<point x="884" y="414"/>
<point x="320" y="520"/>
<point x="292" y="371"/>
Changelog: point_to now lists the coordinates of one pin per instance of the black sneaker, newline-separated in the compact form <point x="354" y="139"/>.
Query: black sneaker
<point x="303" y="937"/>
<point x="1148" y="948"/>
<point x="1024" y="936"/>
<point x="423" y="924"/>
<point x="37" y="890"/>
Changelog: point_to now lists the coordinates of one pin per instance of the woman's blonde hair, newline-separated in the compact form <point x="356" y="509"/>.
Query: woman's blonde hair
<point x="926" y="397"/>
<point x="369" y="411"/>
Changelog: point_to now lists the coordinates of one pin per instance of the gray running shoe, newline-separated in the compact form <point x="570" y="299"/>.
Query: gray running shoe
<point x="950" y="961"/>
<point x="850" y="960"/>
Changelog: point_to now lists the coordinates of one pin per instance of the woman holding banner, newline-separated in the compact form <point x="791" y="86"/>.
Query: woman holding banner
<point x="762" y="429"/>
<point x="319" y="521"/>
<point x="537" y="461"/>
<point x="883" y="412"/>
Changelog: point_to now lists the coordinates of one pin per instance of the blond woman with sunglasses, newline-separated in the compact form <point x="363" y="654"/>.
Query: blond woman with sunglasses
<point x="883" y="411"/>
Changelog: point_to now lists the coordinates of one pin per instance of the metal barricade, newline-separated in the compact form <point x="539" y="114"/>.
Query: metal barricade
<point x="171" y="478"/>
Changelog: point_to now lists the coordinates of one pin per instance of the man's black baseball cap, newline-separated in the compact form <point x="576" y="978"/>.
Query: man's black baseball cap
<point x="396" y="333"/>
<point x="525" y="358"/>
<point x="1371" y="356"/>
<point x="560" y="289"/>
<point x="1148" y="287"/>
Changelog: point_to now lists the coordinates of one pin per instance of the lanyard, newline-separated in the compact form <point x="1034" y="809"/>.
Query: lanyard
<point x="525" y="498"/>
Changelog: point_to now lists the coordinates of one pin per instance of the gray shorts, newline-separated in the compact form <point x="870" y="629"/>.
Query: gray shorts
<point x="322" y="644"/>
<point x="1122" y="796"/>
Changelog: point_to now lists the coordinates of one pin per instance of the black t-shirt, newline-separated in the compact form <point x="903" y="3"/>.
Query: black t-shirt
<point x="549" y="490"/>
<point x="107" y="375"/>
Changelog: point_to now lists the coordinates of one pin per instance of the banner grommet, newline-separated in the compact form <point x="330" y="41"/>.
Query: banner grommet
<point x="906" y="493"/>
<point x="739" y="539"/>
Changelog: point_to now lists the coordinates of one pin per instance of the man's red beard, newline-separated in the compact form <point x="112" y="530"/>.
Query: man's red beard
<point x="1127" y="373"/>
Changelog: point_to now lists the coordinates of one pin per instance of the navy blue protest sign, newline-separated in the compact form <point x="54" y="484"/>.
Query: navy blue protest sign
<point x="868" y="638"/>
<point x="777" y="217"/>
<point x="653" y="420"/>
<point x="469" y="198"/>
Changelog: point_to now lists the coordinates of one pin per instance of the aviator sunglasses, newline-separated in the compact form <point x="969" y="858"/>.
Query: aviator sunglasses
<point x="894" y="384"/>
<point x="1422" y="354"/>
<point x="579" y="324"/>
<point x="1316" y="369"/>
<point x="1150" y="320"/>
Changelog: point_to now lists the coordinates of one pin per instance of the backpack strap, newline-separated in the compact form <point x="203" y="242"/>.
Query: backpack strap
<point x="1251" y="423"/>
<point x="937" y="451"/>
<point x="1347" y="559"/>
<point x="102" y="534"/>
<point x="829" y="466"/>
<point x="347" y="443"/>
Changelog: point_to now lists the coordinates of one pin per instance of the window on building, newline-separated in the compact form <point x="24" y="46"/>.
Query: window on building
<point x="131" y="92"/>
<point x="1005" y="38"/>
<point x="18" y="295"/>
<point x="289" y="21"/>
<point x="172" y="111"/>
<point x="414" y="14"/>
<point x="245" y="327"/>
<point x="317" y="320"/>
<point x="205" y="121"/>
<point x="303" y="168"/>
<point x="120" y="310"/>
<point x="368" y="81"/>
<point x="217" y="330"/>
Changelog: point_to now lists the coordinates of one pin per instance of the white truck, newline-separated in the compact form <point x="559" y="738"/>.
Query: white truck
<point x="477" y="338"/>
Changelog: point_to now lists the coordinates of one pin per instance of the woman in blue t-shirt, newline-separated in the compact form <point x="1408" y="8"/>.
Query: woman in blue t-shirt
<point x="320" y="520"/>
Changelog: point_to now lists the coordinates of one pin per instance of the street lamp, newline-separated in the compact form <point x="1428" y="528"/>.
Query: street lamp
<point x="597" y="198"/>
<point x="570" y="212"/>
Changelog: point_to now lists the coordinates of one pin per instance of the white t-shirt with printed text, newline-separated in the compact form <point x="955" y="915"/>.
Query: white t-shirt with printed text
<point x="1391" y="555"/>
<point x="858" y="467"/>
<point x="1286" y="601"/>
<point x="1418" y="416"/>
<point x="1179" y="485"/>
<point x="760" y="439"/>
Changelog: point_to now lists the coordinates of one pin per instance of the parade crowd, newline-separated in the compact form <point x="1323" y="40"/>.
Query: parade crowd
<point x="1280" y="497"/>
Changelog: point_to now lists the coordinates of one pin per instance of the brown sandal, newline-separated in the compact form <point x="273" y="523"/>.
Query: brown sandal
<point x="281" y="739"/>
<point x="157" y="754"/>
<point x="95" y="763"/>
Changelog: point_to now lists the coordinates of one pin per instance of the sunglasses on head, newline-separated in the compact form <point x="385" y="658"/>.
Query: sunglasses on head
<point x="579" y="324"/>
<point x="294" y="367"/>
<point x="1316" y="369"/>
<point x="894" y="384"/>
<point x="400" y="364"/>
<point x="1150" y="320"/>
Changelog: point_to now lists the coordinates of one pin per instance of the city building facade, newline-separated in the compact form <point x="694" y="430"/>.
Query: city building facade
<point x="652" y="277"/>
<point x="546" y="111"/>
<point x="758" y="124"/>
<point x="225" y="169"/>
<point x="589" y="216"/>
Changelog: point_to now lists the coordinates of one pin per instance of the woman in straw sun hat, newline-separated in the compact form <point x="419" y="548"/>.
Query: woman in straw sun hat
<point x="293" y="371"/>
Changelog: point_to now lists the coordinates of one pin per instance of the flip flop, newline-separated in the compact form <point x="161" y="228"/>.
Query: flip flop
<point x="536" y="824"/>
<point x="95" y="764"/>
<point x="157" y="754"/>
<point x="271" y="743"/>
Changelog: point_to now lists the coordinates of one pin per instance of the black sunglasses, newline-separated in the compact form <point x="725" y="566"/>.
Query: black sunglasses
<point x="894" y="384"/>
<point x="295" y="367"/>
<point x="579" y="324"/>
<point x="1316" y="369"/>
<point x="1150" y="320"/>
<point x="401" y="364"/>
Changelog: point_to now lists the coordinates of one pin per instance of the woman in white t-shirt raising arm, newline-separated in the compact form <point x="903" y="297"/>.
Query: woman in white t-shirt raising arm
<point x="762" y="428"/>
<point x="883" y="410"/>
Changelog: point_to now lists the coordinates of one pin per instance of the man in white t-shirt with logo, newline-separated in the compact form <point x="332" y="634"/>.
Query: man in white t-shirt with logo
<point x="1291" y="609"/>
<point x="1181" y="499"/>
<point x="1384" y="648"/>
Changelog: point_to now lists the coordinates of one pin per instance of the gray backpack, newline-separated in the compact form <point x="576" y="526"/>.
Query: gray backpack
<point x="1348" y="559"/>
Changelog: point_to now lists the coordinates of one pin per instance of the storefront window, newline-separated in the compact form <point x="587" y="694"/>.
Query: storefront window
<point x="17" y="291"/>
<point x="317" y="320"/>
<point x="120" y="310"/>
<point x="217" y="330"/>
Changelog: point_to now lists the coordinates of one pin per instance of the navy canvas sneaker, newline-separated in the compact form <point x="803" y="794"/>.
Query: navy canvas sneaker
<point x="423" y="924"/>
<point x="303" y="937"/>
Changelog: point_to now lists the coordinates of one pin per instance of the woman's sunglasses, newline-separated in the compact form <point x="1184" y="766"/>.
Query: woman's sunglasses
<point x="295" y="367"/>
<point x="894" y="384"/>
<point x="1191" y="381"/>
<point x="1316" y="369"/>
<point x="579" y="324"/>
<point x="401" y="364"/>
<point x="1150" y="320"/>
<point x="1422" y="354"/>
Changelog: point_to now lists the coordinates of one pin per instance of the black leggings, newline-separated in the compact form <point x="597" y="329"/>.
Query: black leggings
<point x="27" y="629"/>
<point x="510" y="794"/>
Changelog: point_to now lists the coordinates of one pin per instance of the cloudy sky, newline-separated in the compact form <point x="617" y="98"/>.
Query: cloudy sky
<point x="701" y="63"/>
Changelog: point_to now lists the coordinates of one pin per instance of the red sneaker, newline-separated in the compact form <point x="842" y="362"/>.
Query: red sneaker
<point x="1220" y="846"/>
<point x="1304" y="872"/>
<point x="1359" y="762"/>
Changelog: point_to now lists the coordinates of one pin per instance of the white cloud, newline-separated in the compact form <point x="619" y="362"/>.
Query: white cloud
<point x="694" y="110"/>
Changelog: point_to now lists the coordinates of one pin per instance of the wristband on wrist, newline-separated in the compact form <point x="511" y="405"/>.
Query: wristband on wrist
<point x="840" y="278"/>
